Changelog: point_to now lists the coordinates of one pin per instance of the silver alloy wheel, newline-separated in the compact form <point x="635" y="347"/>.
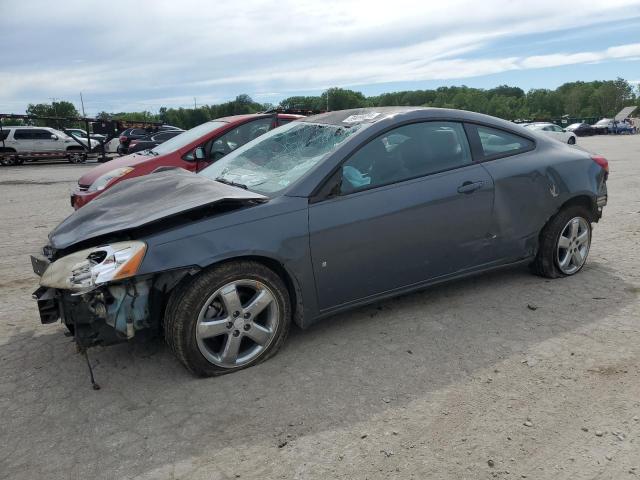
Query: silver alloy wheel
<point x="237" y="323"/>
<point x="76" y="157"/>
<point x="573" y="245"/>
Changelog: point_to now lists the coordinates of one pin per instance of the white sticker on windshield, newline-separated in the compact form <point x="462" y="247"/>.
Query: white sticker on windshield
<point x="361" y="118"/>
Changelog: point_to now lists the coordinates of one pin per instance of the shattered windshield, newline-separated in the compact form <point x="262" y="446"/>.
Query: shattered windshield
<point x="275" y="160"/>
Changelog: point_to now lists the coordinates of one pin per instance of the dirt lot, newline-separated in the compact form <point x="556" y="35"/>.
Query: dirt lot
<point x="465" y="381"/>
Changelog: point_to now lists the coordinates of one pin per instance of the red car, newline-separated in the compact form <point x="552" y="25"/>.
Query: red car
<point x="217" y="137"/>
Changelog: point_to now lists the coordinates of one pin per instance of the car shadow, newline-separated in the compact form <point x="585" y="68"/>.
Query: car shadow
<point x="337" y="373"/>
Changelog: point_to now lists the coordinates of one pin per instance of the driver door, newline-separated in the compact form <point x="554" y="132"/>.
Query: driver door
<point x="408" y="207"/>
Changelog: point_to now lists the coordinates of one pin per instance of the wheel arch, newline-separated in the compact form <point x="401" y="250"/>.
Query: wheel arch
<point x="289" y="279"/>
<point x="582" y="200"/>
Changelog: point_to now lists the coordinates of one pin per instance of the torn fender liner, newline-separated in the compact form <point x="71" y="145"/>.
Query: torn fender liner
<point x="143" y="200"/>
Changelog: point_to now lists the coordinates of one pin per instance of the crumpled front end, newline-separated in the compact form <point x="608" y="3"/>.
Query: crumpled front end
<point x="106" y="315"/>
<point x="95" y="292"/>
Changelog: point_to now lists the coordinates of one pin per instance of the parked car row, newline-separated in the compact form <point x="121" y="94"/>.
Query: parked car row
<point x="554" y="131"/>
<point x="569" y="134"/>
<point x="25" y="143"/>
<point x="20" y="143"/>
<point x="226" y="234"/>
<point x="136" y="134"/>
<point x="608" y="125"/>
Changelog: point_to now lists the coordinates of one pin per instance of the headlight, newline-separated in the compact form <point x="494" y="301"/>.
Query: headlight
<point x="103" y="180"/>
<point x="85" y="270"/>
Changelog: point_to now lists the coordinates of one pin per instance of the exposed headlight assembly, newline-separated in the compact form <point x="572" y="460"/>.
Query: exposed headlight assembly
<point x="103" y="180"/>
<point x="83" y="271"/>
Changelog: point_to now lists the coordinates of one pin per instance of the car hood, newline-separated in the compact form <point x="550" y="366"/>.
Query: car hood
<point x="144" y="200"/>
<point x="127" y="161"/>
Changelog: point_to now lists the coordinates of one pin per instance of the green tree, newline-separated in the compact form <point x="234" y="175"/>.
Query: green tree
<point x="61" y="109"/>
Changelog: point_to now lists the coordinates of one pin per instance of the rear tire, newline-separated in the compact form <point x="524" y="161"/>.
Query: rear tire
<point x="10" y="160"/>
<point x="572" y="141"/>
<point x="212" y="320"/>
<point x="562" y="251"/>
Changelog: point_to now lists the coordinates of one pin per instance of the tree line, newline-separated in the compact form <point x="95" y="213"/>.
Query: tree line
<point x="596" y="99"/>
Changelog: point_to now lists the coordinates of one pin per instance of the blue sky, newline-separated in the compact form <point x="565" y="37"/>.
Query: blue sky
<point x="144" y="55"/>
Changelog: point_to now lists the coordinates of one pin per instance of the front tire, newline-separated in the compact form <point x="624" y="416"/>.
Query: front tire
<point x="76" y="156"/>
<point x="231" y="317"/>
<point x="572" y="141"/>
<point x="564" y="244"/>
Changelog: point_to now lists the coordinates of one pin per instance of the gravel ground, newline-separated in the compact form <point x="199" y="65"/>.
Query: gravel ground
<point x="505" y="375"/>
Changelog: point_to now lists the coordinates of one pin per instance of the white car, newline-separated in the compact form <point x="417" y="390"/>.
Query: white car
<point x="39" y="142"/>
<point x="82" y="134"/>
<point x="553" y="131"/>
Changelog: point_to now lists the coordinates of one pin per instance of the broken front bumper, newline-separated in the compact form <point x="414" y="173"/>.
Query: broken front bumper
<point x="108" y="314"/>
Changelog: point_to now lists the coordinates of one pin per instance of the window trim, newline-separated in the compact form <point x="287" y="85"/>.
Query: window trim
<point x="322" y="193"/>
<point x="477" y="152"/>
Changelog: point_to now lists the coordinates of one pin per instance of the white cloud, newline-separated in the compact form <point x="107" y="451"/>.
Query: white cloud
<point x="172" y="51"/>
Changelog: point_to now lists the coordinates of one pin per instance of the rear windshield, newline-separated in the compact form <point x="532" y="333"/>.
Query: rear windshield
<point x="185" y="138"/>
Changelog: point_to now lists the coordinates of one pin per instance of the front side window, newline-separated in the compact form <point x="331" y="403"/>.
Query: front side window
<point x="43" y="135"/>
<point x="406" y="152"/>
<point x="185" y="138"/>
<point x="280" y="157"/>
<point x="495" y="142"/>
<point x="237" y="137"/>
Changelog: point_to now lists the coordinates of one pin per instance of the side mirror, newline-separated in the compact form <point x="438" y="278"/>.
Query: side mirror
<point x="199" y="154"/>
<point x="54" y="137"/>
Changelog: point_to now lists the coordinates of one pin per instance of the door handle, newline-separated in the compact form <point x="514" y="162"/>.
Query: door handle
<point x="470" y="187"/>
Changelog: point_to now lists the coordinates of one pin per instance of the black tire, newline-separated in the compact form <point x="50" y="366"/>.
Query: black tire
<point x="9" y="161"/>
<point x="76" y="156"/>
<point x="189" y="298"/>
<point x="545" y="264"/>
<point x="572" y="141"/>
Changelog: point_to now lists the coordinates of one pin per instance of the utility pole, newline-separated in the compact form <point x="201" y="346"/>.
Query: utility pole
<point x="55" y="109"/>
<point x="195" y="105"/>
<point x="327" y="100"/>
<point x="82" y="103"/>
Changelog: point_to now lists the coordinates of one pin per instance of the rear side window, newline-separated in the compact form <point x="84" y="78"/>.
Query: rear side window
<point x="496" y="143"/>
<point x="23" y="134"/>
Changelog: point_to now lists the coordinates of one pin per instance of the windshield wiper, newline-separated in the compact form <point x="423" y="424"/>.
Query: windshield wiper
<point x="231" y="182"/>
<point x="151" y="152"/>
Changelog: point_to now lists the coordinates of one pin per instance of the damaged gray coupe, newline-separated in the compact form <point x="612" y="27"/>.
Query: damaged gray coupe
<point x="315" y="217"/>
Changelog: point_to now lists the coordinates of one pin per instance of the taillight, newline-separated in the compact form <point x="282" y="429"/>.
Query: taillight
<point x="600" y="160"/>
<point x="123" y="139"/>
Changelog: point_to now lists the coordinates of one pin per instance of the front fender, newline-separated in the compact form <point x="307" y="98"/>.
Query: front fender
<point x="281" y="238"/>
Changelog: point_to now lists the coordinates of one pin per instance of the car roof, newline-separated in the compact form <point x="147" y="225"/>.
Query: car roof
<point x="24" y="126"/>
<point x="356" y="116"/>
<point x="250" y="116"/>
